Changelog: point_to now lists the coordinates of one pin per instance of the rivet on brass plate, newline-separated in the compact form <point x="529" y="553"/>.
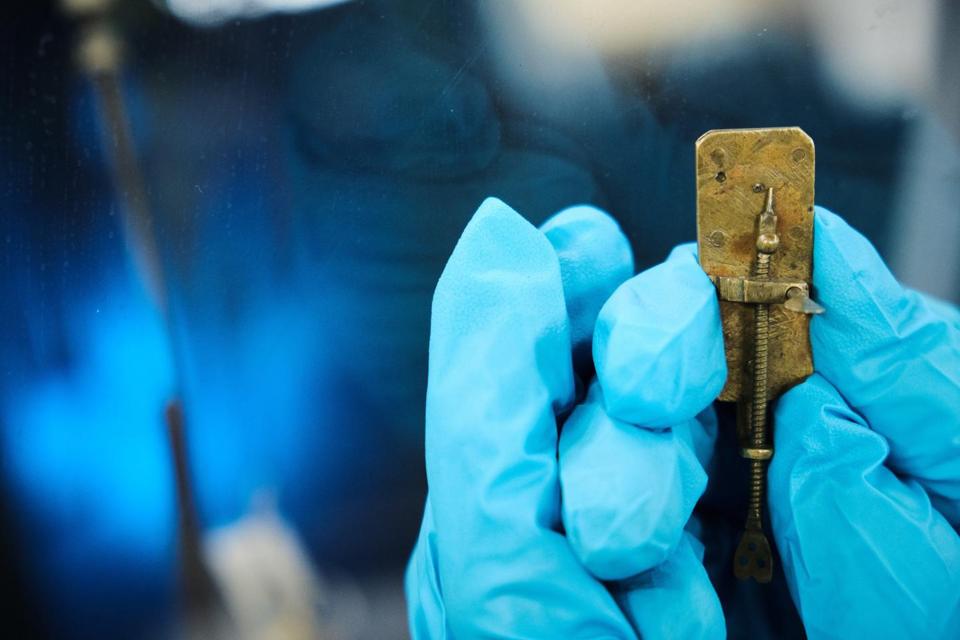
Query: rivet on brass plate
<point x="717" y="238"/>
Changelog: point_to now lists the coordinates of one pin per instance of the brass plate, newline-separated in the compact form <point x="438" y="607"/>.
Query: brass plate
<point x="734" y="169"/>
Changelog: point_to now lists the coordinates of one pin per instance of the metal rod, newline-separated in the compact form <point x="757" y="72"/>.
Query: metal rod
<point x="753" y="558"/>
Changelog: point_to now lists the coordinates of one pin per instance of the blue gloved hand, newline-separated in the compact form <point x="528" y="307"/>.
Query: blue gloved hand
<point x="865" y="550"/>
<point x="500" y="554"/>
<point x="865" y="483"/>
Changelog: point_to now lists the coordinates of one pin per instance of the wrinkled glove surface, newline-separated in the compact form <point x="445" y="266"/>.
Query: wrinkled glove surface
<point x="562" y="488"/>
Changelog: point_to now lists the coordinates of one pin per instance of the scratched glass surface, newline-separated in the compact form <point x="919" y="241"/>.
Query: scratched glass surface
<point x="223" y="221"/>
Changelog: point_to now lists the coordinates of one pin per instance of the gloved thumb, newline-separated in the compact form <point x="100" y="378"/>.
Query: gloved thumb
<point x="893" y="356"/>
<point x="864" y="552"/>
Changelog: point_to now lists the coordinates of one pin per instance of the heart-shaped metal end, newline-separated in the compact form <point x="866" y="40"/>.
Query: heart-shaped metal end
<point x="753" y="558"/>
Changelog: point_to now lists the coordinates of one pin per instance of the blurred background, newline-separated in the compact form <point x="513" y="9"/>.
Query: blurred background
<point x="222" y="222"/>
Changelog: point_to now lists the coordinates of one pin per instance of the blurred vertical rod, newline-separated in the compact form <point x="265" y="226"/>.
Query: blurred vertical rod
<point x="200" y="596"/>
<point x="99" y="55"/>
<point x="131" y="187"/>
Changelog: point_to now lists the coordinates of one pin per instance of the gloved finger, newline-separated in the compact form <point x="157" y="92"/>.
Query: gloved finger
<point x="658" y="345"/>
<point x="675" y="599"/>
<point x="595" y="258"/>
<point x="500" y="368"/>
<point x="627" y="492"/>
<point x="865" y="553"/>
<point x="893" y="357"/>
<point x="627" y="495"/>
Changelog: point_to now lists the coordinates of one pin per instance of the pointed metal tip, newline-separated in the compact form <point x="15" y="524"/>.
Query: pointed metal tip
<point x="768" y="208"/>
<point x="802" y="303"/>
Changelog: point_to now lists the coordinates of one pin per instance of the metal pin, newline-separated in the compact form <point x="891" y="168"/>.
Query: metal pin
<point x="753" y="557"/>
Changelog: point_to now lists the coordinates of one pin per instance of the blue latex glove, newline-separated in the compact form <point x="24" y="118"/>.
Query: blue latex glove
<point x="865" y="483"/>
<point x="512" y="315"/>
<point x="865" y="551"/>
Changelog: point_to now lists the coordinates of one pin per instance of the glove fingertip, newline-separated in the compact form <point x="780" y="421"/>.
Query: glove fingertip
<point x="595" y="257"/>
<point x="827" y="218"/>
<point x="582" y="214"/>
<point x="498" y="243"/>
<point x="658" y="345"/>
<point x="848" y="272"/>
<point x="495" y="208"/>
<point x="591" y="246"/>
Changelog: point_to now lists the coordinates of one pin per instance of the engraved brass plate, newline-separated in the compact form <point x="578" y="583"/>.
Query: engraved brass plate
<point x="735" y="170"/>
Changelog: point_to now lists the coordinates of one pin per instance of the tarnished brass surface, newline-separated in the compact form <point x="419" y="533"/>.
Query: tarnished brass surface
<point x="735" y="169"/>
<point x="755" y="235"/>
